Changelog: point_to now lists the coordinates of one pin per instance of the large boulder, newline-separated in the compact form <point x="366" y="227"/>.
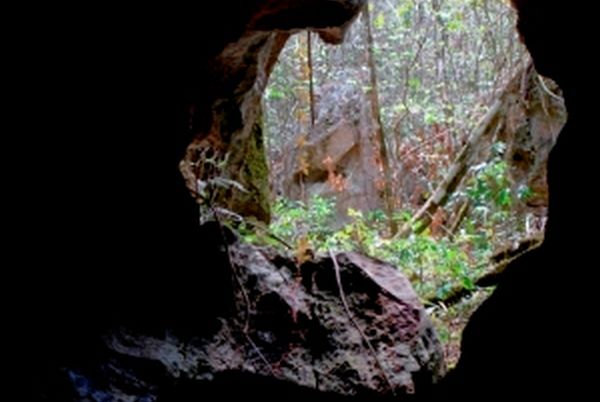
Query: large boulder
<point x="350" y="328"/>
<point x="339" y="157"/>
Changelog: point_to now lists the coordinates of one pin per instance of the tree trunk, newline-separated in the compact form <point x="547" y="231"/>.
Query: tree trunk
<point x="421" y="220"/>
<point x="388" y="197"/>
<point x="311" y="85"/>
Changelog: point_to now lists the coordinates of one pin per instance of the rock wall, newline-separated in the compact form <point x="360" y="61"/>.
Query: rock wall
<point x="339" y="157"/>
<point x="230" y="122"/>
<point x="282" y="323"/>
<point x="535" y="114"/>
<point x="522" y="340"/>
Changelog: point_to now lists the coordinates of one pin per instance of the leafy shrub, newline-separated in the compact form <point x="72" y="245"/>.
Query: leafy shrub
<point x="435" y="266"/>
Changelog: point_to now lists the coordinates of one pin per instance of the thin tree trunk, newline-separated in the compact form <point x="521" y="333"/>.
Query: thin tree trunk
<point x="459" y="217"/>
<point x="311" y="87"/>
<point x="383" y="153"/>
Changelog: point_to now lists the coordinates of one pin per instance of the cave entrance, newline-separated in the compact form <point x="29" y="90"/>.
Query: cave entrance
<point x="421" y="140"/>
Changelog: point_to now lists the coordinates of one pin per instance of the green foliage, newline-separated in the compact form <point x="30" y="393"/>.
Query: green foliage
<point x="274" y="93"/>
<point x="455" y="24"/>
<point x="489" y="184"/>
<point x="293" y="220"/>
<point x="489" y="190"/>
<point x="404" y="12"/>
<point x="379" y="21"/>
<point x="437" y="64"/>
<point x="524" y="193"/>
<point x="435" y="266"/>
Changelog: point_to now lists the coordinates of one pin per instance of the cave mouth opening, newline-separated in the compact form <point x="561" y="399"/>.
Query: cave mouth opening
<point x="466" y="125"/>
<point x="65" y="325"/>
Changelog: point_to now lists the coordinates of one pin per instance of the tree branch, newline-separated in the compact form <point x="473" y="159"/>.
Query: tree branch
<point x="456" y="172"/>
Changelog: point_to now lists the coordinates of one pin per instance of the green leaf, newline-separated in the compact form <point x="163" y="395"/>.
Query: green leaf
<point x="455" y="25"/>
<point x="504" y="197"/>
<point x="379" y="21"/>
<point x="275" y="94"/>
<point x="525" y="193"/>
<point x="414" y="84"/>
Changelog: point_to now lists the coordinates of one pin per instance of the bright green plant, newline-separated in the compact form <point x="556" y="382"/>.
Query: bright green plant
<point x="490" y="185"/>
<point x="435" y="266"/>
<point x="293" y="220"/>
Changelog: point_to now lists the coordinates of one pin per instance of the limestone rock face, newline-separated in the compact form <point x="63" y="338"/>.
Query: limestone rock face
<point x="340" y="155"/>
<point x="227" y="122"/>
<point x="534" y="117"/>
